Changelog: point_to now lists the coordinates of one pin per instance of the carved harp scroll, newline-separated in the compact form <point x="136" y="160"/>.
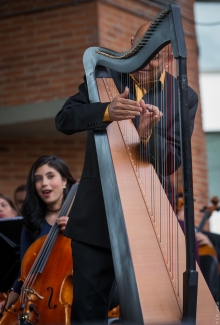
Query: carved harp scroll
<point x="165" y="28"/>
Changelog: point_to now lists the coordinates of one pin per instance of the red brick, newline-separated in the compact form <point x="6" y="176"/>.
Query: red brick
<point x="41" y="59"/>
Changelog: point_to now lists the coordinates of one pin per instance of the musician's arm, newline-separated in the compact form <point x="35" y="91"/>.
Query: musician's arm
<point x="78" y="114"/>
<point x="26" y="241"/>
<point x="168" y="154"/>
<point x="11" y="300"/>
<point x="14" y="293"/>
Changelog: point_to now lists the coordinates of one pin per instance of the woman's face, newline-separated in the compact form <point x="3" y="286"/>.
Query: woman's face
<point x="6" y="211"/>
<point x="49" y="186"/>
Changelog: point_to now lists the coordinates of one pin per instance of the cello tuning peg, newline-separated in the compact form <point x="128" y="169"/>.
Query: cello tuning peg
<point x="31" y="307"/>
<point x="215" y="200"/>
<point x="22" y="307"/>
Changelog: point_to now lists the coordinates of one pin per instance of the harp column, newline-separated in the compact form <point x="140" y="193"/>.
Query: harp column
<point x="190" y="276"/>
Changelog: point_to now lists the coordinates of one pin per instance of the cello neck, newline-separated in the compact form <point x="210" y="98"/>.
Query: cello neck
<point x="45" y="251"/>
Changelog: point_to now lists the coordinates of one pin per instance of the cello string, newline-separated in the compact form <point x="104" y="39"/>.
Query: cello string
<point x="48" y="244"/>
<point x="50" y="238"/>
<point x="31" y="277"/>
<point x="41" y="256"/>
<point x="64" y="211"/>
<point x="54" y="231"/>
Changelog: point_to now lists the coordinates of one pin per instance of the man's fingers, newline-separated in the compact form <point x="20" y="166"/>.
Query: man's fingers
<point x="154" y="109"/>
<point x="142" y="105"/>
<point x="122" y="108"/>
<point x="124" y="105"/>
<point x="128" y="104"/>
<point x="125" y="93"/>
<point x="126" y="101"/>
<point x="124" y="115"/>
<point x="121" y="114"/>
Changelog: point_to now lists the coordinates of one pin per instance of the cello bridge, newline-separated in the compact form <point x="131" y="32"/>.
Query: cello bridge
<point x="30" y="291"/>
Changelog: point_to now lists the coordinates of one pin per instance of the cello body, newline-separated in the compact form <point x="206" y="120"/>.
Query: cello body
<point x="49" y="299"/>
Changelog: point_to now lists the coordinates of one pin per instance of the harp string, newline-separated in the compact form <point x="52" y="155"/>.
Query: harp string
<point x="161" y="212"/>
<point x="151" y="176"/>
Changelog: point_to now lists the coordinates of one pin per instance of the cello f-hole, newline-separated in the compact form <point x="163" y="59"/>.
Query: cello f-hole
<point x="50" y="297"/>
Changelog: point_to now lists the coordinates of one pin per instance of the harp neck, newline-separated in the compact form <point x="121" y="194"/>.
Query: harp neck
<point x="165" y="28"/>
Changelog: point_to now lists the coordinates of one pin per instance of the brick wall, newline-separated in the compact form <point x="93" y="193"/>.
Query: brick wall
<point x="41" y="60"/>
<point x="41" y="52"/>
<point x="20" y="153"/>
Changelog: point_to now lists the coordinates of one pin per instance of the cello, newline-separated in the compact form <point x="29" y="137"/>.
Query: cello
<point x="208" y="210"/>
<point x="46" y="272"/>
<point x="207" y="254"/>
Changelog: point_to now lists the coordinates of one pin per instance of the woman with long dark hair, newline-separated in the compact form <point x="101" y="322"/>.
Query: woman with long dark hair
<point x="48" y="184"/>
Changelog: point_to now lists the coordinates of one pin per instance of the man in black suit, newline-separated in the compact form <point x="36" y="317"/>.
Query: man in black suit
<point x="87" y="225"/>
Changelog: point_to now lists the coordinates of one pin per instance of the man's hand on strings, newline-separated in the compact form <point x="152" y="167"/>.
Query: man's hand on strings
<point x="122" y="108"/>
<point x="62" y="222"/>
<point x="150" y="116"/>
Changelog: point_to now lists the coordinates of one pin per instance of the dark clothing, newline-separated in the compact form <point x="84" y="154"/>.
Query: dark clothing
<point x="181" y="222"/>
<point x="87" y="221"/>
<point x="210" y="266"/>
<point x="89" y="306"/>
<point x="26" y="241"/>
<point x="215" y="239"/>
<point x="27" y="238"/>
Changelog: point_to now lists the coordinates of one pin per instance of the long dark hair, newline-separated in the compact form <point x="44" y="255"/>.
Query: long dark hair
<point x="34" y="208"/>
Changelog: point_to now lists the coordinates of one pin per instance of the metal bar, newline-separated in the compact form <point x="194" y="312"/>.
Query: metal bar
<point x="190" y="276"/>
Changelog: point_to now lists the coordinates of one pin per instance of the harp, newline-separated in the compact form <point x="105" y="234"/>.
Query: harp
<point x="155" y="273"/>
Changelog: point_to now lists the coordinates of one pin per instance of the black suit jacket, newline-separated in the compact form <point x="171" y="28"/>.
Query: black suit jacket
<point x="87" y="222"/>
